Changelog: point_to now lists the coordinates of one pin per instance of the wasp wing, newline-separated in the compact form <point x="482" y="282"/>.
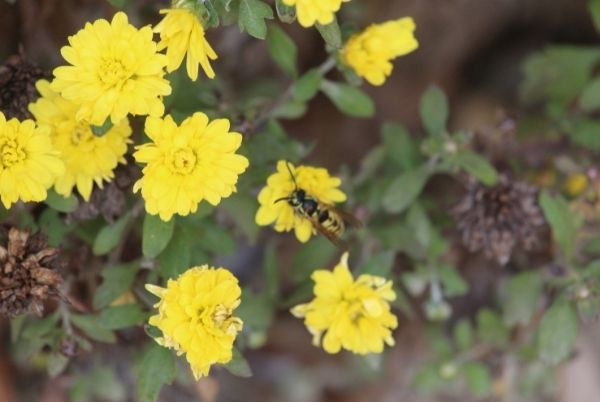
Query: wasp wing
<point x="347" y="217"/>
<point x="330" y="235"/>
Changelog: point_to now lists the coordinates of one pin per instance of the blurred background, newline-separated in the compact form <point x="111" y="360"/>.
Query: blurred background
<point x="475" y="51"/>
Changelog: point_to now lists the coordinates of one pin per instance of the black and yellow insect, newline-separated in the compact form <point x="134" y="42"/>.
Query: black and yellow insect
<point x="326" y="219"/>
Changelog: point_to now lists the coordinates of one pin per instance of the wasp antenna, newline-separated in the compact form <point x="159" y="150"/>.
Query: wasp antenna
<point x="287" y="164"/>
<point x="281" y="199"/>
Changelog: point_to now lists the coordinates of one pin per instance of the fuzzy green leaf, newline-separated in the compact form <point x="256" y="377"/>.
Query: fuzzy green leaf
<point x="404" y="190"/>
<point x="557" y="332"/>
<point x="156" y="369"/>
<point x="156" y="235"/>
<point x="434" y="111"/>
<point x="348" y="99"/>
<point x="477" y="166"/>
<point x="116" y="281"/>
<point x="522" y="293"/>
<point x="283" y="50"/>
<point x="252" y="15"/>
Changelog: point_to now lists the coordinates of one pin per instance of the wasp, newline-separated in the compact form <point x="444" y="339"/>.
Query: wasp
<point x="325" y="218"/>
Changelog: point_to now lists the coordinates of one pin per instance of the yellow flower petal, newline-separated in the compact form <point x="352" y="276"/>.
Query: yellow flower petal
<point x="370" y="52"/>
<point x="353" y="315"/>
<point x="206" y="328"/>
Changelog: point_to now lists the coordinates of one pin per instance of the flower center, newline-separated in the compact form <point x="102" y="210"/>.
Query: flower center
<point x="11" y="153"/>
<point x="222" y="319"/>
<point x="112" y="72"/>
<point x="80" y="134"/>
<point x="182" y="161"/>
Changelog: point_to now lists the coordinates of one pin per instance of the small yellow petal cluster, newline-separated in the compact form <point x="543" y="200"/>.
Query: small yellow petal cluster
<point x="182" y="32"/>
<point x="29" y="164"/>
<point x="315" y="181"/>
<point x="187" y="164"/>
<point x="310" y="12"/>
<point x="354" y="315"/>
<point x="88" y="158"/>
<point x="195" y="316"/>
<point x="115" y="71"/>
<point x="370" y="52"/>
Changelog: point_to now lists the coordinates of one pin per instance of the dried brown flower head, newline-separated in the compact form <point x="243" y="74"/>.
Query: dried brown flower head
<point x="27" y="277"/>
<point x="496" y="219"/>
<point x="17" y="86"/>
<point x="109" y="201"/>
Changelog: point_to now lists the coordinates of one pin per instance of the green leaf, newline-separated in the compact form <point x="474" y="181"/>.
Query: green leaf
<point x="176" y="257"/>
<point x="60" y="203"/>
<point x="116" y="281"/>
<point x="90" y="325"/>
<point x="586" y="133"/>
<point x="123" y="316"/>
<point x="463" y="334"/>
<point x="252" y="15"/>
<point x="308" y="85"/>
<point x="238" y="366"/>
<point x="399" y="147"/>
<point x="156" y="369"/>
<point x="285" y="13"/>
<point x="256" y="311"/>
<point x="331" y="34"/>
<point x="57" y="363"/>
<point x="348" y="99"/>
<point x="590" y="97"/>
<point x="594" y="7"/>
<point x="380" y="264"/>
<point x="558" y="73"/>
<point x="434" y="111"/>
<point x="521" y="300"/>
<point x="490" y="328"/>
<point x="309" y="259"/>
<point x="16" y="327"/>
<point x="39" y="327"/>
<point x="479" y="379"/>
<point x="404" y="190"/>
<point x="428" y="378"/>
<point x="477" y="166"/>
<point x="557" y="332"/>
<point x="118" y="3"/>
<point x="217" y="240"/>
<point x="99" y="131"/>
<point x="110" y="235"/>
<point x="283" y="50"/>
<point x="420" y="226"/>
<point x="292" y="109"/>
<point x="156" y="235"/>
<point x="563" y="222"/>
<point x="454" y="284"/>
<point x="54" y="226"/>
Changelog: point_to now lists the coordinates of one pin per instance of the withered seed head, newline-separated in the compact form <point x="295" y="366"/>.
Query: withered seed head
<point x="496" y="219"/>
<point x="17" y="86"/>
<point x="27" y="277"/>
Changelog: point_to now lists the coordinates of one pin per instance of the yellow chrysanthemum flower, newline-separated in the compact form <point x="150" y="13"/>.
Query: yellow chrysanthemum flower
<point x="370" y="52"/>
<point x="182" y="32"/>
<point x="195" y="316"/>
<point x="29" y="164"/>
<point x="88" y="158"/>
<point x="354" y="315"/>
<point x="115" y="70"/>
<point x="315" y="181"/>
<point x="310" y="12"/>
<point x="187" y="164"/>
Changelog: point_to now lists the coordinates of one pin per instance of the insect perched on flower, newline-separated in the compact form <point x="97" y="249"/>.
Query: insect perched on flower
<point x="302" y="198"/>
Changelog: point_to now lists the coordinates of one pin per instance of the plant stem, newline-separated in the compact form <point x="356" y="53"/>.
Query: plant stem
<point x="267" y="113"/>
